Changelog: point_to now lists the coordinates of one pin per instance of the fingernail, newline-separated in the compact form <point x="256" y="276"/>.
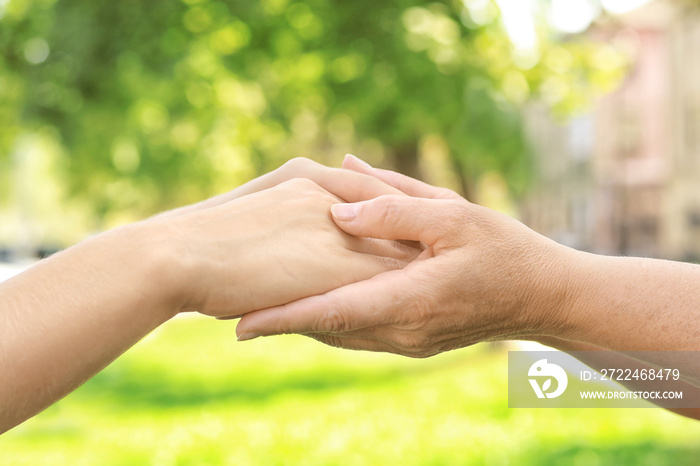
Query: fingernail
<point x="358" y="160"/>
<point x="345" y="212"/>
<point x="248" y="336"/>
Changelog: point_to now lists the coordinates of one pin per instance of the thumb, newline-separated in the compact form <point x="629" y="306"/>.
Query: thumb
<point x="393" y="217"/>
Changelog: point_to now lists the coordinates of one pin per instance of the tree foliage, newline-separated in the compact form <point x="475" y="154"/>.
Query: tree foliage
<point x="160" y="102"/>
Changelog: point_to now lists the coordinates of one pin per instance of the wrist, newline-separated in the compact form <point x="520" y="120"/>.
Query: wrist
<point x="559" y="287"/>
<point x="155" y="265"/>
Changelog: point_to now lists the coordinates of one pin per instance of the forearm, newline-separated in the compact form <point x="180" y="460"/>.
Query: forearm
<point x="71" y="315"/>
<point x="631" y="304"/>
<point x="634" y="304"/>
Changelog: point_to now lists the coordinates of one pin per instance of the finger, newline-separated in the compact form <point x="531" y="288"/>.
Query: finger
<point x="403" y="251"/>
<point x="364" y="304"/>
<point x="350" y="186"/>
<point x="403" y="183"/>
<point x="388" y="344"/>
<point x="394" y="217"/>
<point x="358" y="344"/>
<point x="379" y="247"/>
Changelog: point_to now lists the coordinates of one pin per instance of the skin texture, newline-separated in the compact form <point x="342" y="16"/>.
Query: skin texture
<point x="486" y="277"/>
<point x="69" y="316"/>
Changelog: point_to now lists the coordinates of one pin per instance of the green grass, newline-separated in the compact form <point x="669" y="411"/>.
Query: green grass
<point x="190" y="394"/>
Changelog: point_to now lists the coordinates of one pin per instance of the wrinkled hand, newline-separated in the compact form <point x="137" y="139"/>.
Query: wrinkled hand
<point x="270" y="248"/>
<point x="485" y="276"/>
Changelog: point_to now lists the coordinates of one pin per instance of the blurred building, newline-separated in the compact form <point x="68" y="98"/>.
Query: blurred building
<point x="625" y="178"/>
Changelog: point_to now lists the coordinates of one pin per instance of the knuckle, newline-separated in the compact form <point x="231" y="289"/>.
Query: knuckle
<point x="420" y="312"/>
<point x="333" y="321"/>
<point x="415" y="338"/>
<point x="384" y="209"/>
<point x="456" y="216"/>
<point x="384" y="201"/>
<point x="415" y="343"/>
<point x="299" y="164"/>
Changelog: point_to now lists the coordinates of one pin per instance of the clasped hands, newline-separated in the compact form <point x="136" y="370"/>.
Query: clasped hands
<point x="362" y="258"/>
<point x="354" y="257"/>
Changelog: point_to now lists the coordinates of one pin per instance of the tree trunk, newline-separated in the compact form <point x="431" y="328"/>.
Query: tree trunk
<point x="406" y="160"/>
<point x="465" y="181"/>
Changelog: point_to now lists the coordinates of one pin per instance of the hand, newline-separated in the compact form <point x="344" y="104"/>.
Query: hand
<point x="270" y="248"/>
<point x="72" y="314"/>
<point x="350" y="186"/>
<point x="484" y="277"/>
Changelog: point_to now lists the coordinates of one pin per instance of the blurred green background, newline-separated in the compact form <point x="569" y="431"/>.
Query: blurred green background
<point x="112" y="111"/>
<point x="190" y="395"/>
